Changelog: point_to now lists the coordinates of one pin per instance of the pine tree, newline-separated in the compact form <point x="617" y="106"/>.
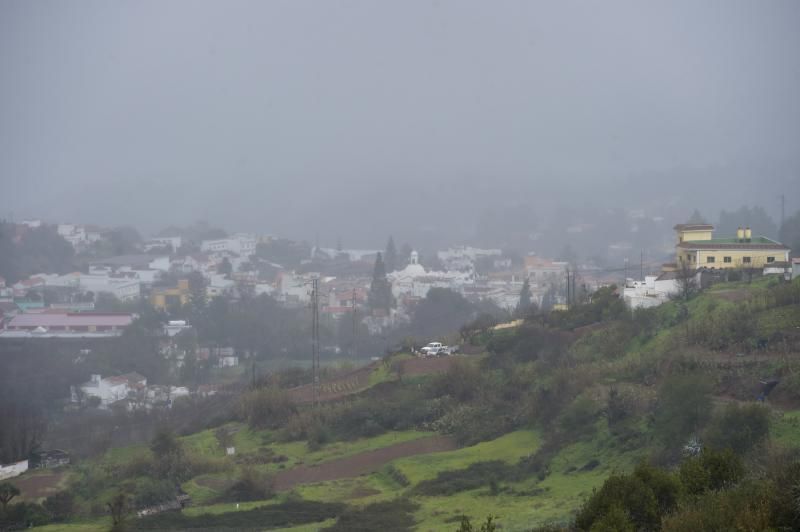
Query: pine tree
<point x="697" y="218"/>
<point x="390" y="257"/>
<point x="380" y="291"/>
<point x="525" y="297"/>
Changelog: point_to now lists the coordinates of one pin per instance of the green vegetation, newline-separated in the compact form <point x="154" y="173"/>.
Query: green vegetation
<point x="595" y="417"/>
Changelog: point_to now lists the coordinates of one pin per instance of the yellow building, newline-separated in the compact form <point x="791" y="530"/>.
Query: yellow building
<point x="697" y="248"/>
<point x="161" y="298"/>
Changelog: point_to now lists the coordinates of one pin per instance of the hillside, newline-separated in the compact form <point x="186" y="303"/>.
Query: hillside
<point x="524" y="431"/>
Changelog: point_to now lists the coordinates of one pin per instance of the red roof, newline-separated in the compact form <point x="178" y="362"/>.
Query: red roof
<point x="70" y="320"/>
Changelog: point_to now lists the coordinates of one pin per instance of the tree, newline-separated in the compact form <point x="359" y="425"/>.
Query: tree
<point x="790" y="233"/>
<point x="225" y="267"/>
<point x="60" y="505"/>
<point x="756" y="218"/>
<point x="684" y="406"/>
<point x="118" y="507"/>
<point x="380" y="291"/>
<point x="7" y="492"/>
<point x="686" y="279"/>
<point x="441" y="312"/>
<point x="390" y="257"/>
<point x="696" y="218"/>
<point x="525" y="297"/>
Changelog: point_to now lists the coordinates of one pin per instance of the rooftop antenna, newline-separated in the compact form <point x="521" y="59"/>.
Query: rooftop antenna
<point x="783" y="209"/>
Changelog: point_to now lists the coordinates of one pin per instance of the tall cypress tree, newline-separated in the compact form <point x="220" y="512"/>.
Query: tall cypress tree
<point x="380" y="291"/>
<point x="390" y="257"/>
<point x="525" y="297"/>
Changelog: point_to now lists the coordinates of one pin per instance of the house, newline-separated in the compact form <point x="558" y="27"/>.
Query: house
<point x="228" y="361"/>
<point x="241" y="244"/>
<point x="172" y="242"/>
<point x="49" y="459"/>
<point x="175" y="327"/>
<point x="653" y="291"/>
<point x="544" y="271"/>
<point x="113" y="389"/>
<point x="70" y="324"/>
<point x="163" y="297"/>
<point x="697" y="248"/>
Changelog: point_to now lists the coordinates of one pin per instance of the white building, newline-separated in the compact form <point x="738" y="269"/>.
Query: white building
<point x="241" y="244"/>
<point x="123" y="288"/>
<point x="463" y="258"/>
<point x="172" y="242"/>
<point x="653" y="291"/>
<point x="113" y="389"/>
<point x="219" y="285"/>
<point x="414" y="280"/>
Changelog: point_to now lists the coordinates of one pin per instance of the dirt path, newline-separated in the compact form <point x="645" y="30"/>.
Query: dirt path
<point x="362" y="463"/>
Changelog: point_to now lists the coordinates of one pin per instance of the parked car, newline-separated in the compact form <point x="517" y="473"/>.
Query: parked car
<point x="432" y="349"/>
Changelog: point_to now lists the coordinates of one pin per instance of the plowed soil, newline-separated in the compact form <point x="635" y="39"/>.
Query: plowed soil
<point x="360" y="464"/>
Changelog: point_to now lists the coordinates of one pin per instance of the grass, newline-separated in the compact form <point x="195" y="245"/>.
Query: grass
<point x="786" y="430"/>
<point x="94" y="525"/>
<point x="509" y="448"/>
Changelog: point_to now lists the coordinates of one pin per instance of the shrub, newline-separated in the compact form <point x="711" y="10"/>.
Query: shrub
<point x="397" y="475"/>
<point x="711" y="470"/>
<point x="394" y="515"/>
<point x="739" y="427"/>
<point x="627" y="493"/>
<point x="630" y="502"/>
<point x="684" y="406"/>
<point x="150" y="491"/>
<point x="252" y="485"/>
<point x="265" y="517"/>
<point x="266" y="408"/>
<point x="577" y="420"/>
<point x="476" y="475"/>
<point x="61" y="505"/>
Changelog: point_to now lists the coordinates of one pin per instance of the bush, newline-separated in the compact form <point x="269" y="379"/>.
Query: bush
<point x="632" y="502"/>
<point x="150" y="491"/>
<point x="391" y="515"/>
<point x="739" y="427"/>
<point x="252" y="485"/>
<point x="261" y="518"/>
<point x="577" y="420"/>
<point x="474" y="476"/>
<point x="266" y="408"/>
<point x="684" y="406"/>
<point x="60" y="506"/>
<point x="711" y="470"/>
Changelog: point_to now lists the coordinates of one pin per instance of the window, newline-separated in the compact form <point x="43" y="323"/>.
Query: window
<point x="746" y="260"/>
<point x="711" y="259"/>
<point x="726" y="259"/>
<point x="770" y="259"/>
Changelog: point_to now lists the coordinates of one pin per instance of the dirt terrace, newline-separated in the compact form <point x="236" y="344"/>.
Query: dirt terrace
<point x="360" y="464"/>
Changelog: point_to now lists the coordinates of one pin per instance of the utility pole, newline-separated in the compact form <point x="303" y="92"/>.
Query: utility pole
<point x="355" y="326"/>
<point x="568" y="287"/>
<point x="574" y="279"/>
<point x="315" y="338"/>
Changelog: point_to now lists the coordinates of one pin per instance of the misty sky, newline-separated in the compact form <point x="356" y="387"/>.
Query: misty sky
<point x="364" y="118"/>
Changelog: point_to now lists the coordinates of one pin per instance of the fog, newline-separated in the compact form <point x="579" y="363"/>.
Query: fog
<point x="360" y="119"/>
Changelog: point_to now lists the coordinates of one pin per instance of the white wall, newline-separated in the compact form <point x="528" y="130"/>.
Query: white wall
<point x="13" y="470"/>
